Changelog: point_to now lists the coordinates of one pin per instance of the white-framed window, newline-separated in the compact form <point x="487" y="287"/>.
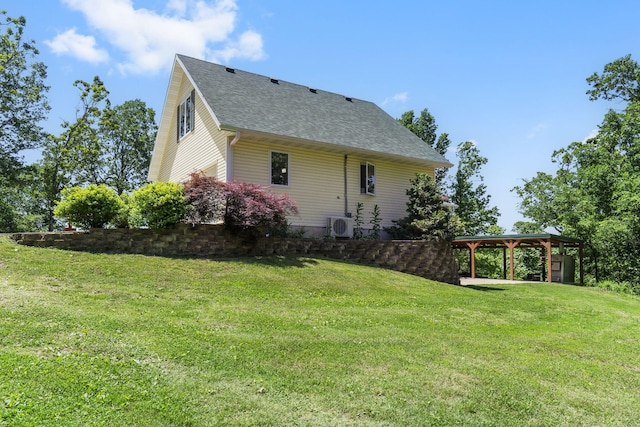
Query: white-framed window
<point x="368" y="178"/>
<point x="186" y="115"/>
<point x="279" y="167"/>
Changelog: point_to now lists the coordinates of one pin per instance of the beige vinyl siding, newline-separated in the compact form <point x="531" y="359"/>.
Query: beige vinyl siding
<point x="202" y="149"/>
<point x="316" y="182"/>
<point x="315" y="179"/>
<point x="392" y="181"/>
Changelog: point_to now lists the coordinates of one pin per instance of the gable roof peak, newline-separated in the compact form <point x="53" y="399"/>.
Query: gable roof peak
<point x="242" y="100"/>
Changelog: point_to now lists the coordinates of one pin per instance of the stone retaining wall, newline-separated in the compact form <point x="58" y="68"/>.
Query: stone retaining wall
<point x="431" y="260"/>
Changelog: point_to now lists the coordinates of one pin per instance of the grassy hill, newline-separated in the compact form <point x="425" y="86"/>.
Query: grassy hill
<point x="89" y="339"/>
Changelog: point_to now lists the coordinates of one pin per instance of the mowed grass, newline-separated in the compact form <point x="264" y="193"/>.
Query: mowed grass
<point x="96" y="340"/>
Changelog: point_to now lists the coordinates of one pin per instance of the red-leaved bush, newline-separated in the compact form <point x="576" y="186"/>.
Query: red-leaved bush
<point x="253" y="206"/>
<point x="205" y="198"/>
<point x="240" y="205"/>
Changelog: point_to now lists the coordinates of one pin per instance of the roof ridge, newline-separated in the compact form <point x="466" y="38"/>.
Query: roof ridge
<point x="312" y="89"/>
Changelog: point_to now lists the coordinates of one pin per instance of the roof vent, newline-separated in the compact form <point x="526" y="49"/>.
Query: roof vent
<point x="274" y="81"/>
<point x="230" y="70"/>
<point x="313" y="90"/>
<point x="348" y="99"/>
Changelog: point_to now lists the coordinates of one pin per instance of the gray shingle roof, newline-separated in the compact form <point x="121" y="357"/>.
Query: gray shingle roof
<point x="243" y="100"/>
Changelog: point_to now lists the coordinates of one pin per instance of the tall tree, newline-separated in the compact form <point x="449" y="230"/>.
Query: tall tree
<point x="427" y="216"/>
<point x="424" y="127"/>
<point x="469" y="193"/>
<point x="127" y="134"/>
<point x="23" y="103"/>
<point x="69" y="159"/>
<point x="620" y="79"/>
<point x="593" y="194"/>
<point x="23" y="106"/>
<point x="104" y="145"/>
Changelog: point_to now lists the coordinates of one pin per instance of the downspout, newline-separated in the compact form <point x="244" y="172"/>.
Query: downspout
<point x="235" y="138"/>
<point x="230" y="156"/>
<point x="346" y="201"/>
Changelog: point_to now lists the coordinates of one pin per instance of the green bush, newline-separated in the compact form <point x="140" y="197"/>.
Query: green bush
<point x="92" y="207"/>
<point x="427" y="216"/>
<point x="158" y="205"/>
<point x="124" y="217"/>
<point x="621" y="287"/>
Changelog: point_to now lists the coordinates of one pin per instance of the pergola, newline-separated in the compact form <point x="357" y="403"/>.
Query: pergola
<point x="513" y="241"/>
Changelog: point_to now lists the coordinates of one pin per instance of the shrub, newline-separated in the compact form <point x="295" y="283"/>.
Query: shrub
<point x="427" y="216"/>
<point x="620" y="287"/>
<point x="92" y="207"/>
<point x="252" y="208"/>
<point x="158" y="205"/>
<point x="206" y="198"/>
<point x="124" y="217"/>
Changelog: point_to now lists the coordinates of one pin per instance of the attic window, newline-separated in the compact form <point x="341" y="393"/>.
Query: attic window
<point x="230" y="70"/>
<point x="274" y="81"/>
<point x="313" y="90"/>
<point x="186" y="115"/>
<point x="348" y="99"/>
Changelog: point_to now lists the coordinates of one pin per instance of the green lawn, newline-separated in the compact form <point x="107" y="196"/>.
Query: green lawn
<point x="88" y="339"/>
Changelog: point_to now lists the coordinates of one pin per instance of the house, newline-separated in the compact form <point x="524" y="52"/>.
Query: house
<point x="328" y="152"/>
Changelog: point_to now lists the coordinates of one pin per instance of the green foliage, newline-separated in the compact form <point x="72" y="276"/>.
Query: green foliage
<point x="358" y="222"/>
<point x="104" y="145"/>
<point x="375" y="223"/>
<point x="66" y="158"/>
<point x="125" y="216"/>
<point x="126" y="135"/>
<point x="620" y="79"/>
<point x="8" y="216"/>
<point x="469" y="193"/>
<point x="92" y="207"/>
<point x="593" y="195"/>
<point x="158" y="205"/>
<point x="620" y="287"/>
<point x="427" y="216"/>
<point x="23" y="104"/>
<point x="425" y="127"/>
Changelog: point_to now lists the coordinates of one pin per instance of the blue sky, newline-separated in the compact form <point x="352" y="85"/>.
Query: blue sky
<point x="508" y="75"/>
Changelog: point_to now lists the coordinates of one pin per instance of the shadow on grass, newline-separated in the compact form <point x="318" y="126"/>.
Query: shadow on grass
<point x="484" y="288"/>
<point x="280" y="261"/>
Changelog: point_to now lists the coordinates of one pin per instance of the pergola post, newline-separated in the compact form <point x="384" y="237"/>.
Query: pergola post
<point x="504" y="263"/>
<point x="547" y="245"/>
<point x="580" y="255"/>
<point x="472" y="264"/>
<point x="511" y="244"/>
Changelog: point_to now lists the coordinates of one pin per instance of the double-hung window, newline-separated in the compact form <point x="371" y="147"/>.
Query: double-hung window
<point x="186" y="115"/>
<point x="368" y="178"/>
<point x="279" y="168"/>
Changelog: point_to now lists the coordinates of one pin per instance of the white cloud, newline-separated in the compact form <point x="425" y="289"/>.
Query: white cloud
<point x="536" y="130"/>
<point x="591" y="135"/>
<point x="249" y="46"/>
<point x="149" y="40"/>
<point x="78" y="46"/>
<point x="398" y="97"/>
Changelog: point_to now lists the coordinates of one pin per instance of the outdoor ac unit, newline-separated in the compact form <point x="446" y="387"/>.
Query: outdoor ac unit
<point x="338" y="226"/>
